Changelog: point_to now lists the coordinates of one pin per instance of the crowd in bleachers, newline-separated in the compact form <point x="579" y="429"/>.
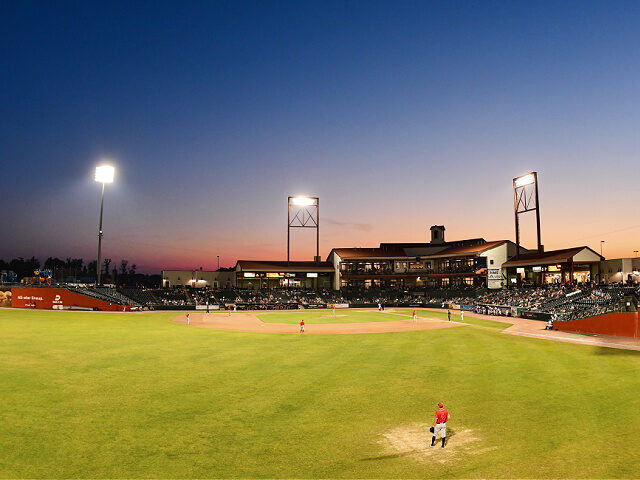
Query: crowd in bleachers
<point x="563" y="302"/>
<point x="560" y="302"/>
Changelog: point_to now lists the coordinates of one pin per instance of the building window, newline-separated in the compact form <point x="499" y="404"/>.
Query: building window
<point x="491" y="262"/>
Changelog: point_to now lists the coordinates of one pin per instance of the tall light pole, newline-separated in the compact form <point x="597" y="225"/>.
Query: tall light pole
<point x="104" y="174"/>
<point x="525" y="199"/>
<point x="218" y="262"/>
<point x="303" y="212"/>
<point x="601" y="243"/>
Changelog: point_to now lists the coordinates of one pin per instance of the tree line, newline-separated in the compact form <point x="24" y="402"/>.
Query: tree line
<point x="76" y="270"/>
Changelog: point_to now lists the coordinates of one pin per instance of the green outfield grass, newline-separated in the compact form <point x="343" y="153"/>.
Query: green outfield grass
<point x="343" y="315"/>
<point x="135" y="395"/>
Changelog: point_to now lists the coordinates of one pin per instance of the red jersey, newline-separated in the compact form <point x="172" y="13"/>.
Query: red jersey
<point x="441" y="415"/>
<point x="414" y="313"/>
<point x="302" y="323"/>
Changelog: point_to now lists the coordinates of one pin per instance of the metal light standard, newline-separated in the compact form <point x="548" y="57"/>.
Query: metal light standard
<point x="303" y="212"/>
<point x="525" y="199"/>
<point x="104" y="174"/>
<point x="601" y="243"/>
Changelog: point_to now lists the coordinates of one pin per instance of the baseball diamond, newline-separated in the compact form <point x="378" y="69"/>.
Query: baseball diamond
<point x="108" y="394"/>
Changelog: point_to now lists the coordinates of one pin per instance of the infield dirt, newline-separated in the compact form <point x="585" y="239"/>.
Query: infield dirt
<point x="249" y="322"/>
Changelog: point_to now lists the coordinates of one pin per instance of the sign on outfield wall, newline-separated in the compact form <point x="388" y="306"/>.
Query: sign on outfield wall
<point x="211" y="307"/>
<point x="58" y="299"/>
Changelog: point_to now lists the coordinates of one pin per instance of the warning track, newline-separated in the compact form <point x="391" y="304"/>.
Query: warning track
<point x="249" y="322"/>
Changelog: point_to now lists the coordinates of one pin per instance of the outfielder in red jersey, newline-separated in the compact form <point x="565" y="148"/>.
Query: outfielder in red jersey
<point x="440" y="424"/>
<point x="301" y="326"/>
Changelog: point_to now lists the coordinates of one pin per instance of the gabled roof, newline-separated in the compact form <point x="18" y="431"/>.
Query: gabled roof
<point x="453" y="243"/>
<point x="469" y="249"/>
<point x="391" y="252"/>
<point x="546" y="258"/>
<point x="283" y="266"/>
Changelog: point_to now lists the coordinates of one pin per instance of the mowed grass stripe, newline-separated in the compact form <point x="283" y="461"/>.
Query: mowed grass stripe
<point x="122" y="395"/>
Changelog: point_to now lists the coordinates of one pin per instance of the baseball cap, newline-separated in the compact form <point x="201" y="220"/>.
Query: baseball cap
<point x="441" y="404"/>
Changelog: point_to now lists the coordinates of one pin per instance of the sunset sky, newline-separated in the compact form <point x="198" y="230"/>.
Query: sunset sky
<point x="398" y="115"/>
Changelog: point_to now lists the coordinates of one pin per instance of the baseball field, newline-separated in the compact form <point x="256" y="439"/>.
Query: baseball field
<point x="97" y="395"/>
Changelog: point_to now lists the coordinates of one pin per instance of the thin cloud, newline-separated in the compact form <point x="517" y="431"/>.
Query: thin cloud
<point x="365" y="227"/>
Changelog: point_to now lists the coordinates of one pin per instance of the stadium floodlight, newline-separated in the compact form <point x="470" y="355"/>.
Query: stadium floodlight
<point x="303" y="212"/>
<point x="525" y="199"/>
<point x="303" y="201"/>
<point x="104" y="174"/>
<point x="527" y="179"/>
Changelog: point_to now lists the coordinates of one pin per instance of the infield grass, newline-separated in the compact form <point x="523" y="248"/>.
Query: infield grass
<point x="97" y="395"/>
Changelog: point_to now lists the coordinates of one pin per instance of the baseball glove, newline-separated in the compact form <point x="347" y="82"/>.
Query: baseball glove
<point x="431" y="429"/>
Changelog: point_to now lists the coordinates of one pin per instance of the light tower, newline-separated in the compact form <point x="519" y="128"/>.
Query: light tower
<point x="104" y="174"/>
<point x="525" y="199"/>
<point x="303" y="212"/>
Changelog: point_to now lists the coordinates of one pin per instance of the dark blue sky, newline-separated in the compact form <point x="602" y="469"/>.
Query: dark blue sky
<point x="398" y="115"/>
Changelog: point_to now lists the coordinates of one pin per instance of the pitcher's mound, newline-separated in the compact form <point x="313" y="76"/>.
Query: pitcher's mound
<point x="414" y="440"/>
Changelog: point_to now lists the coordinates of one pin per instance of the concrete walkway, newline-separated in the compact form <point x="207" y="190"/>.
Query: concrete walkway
<point x="535" y="329"/>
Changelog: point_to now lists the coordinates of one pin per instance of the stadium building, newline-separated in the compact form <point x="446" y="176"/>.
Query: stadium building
<point x="198" y="278"/>
<point x="472" y="262"/>
<point x="258" y="275"/>
<point x="577" y="265"/>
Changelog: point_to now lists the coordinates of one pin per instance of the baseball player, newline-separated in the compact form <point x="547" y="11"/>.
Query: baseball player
<point x="188" y="318"/>
<point x="229" y="309"/>
<point x="415" y="317"/>
<point x="379" y="307"/>
<point x="334" y="310"/>
<point x="462" y="315"/>
<point x="440" y="424"/>
<point x="449" y="314"/>
<point x="301" y="326"/>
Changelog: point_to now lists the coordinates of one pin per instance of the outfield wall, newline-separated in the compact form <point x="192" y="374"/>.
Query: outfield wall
<point x="622" y="324"/>
<point x="58" y="299"/>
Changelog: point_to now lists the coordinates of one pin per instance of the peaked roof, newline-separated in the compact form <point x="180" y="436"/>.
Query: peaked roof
<point x="552" y="256"/>
<point x="377" y="252"/>
<point x="469" y="249"/>
<point x="451" y="243"/>
<point x="283" y="266"/>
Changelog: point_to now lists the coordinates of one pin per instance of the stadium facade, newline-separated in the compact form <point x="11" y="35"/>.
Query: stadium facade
<point x="438" y="263"/>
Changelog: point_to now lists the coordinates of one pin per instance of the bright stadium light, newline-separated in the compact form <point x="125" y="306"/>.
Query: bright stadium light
<point x="303" y="212"/>
<point x="525" y="199"/>
<point x="104" y="174"/>
<point x="302" y="201"/>
<point x="527" y="179"/>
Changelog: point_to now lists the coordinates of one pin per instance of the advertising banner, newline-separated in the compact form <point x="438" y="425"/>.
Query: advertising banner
<point x="211" y="307"/>
<point x="494" y="278"/>
<point x="536" y="315"/>
<point x="58" y="299"/>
